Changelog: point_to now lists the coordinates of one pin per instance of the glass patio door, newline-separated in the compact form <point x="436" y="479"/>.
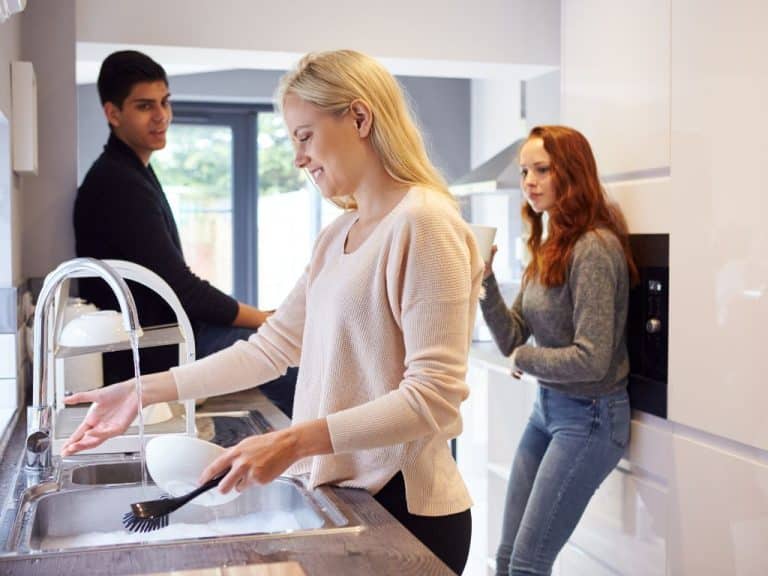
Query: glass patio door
<point x="196" y="171"/>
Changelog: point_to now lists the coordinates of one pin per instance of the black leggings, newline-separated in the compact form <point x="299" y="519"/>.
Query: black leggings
<point x="447" y="537"/>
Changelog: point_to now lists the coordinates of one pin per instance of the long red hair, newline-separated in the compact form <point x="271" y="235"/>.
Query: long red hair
<point x="581" y="205"/>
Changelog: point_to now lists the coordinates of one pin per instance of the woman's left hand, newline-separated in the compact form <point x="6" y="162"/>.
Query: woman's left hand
<point x="262" y="458"/>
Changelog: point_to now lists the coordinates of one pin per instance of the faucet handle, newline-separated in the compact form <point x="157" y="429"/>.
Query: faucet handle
<point x="38" y="451"/>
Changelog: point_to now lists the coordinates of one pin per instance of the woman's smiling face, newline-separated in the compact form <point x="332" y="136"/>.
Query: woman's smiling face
<point x="328" y="146"/>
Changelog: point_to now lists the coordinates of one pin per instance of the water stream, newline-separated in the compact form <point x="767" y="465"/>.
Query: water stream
<point x="135" y="349"/>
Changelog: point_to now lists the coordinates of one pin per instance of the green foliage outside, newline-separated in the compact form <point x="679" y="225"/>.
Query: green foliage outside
<point x="277" y="174"/>
<point x="199" y="159"/>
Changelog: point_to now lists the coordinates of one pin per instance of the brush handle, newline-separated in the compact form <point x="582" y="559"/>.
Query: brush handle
<point x="212" y="483"/>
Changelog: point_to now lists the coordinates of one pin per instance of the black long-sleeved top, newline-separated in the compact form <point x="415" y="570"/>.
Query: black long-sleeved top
<point x="121" y="212"/>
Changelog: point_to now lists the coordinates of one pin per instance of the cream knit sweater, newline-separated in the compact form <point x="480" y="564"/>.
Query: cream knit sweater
<point x="381" y="336"/>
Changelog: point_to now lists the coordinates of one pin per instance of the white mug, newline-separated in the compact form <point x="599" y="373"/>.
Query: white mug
<point x="484" y="236"/>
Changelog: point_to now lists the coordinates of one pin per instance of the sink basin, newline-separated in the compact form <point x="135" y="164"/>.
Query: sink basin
<point x="81" y="504"/>
<point x="92" y="517"/>
<point x="85" y="507"/>
<point x="114" y="473"/>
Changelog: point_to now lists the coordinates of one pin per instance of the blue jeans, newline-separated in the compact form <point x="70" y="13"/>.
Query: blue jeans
<point x="569" y="446"/>
<point x="210" y="338"/>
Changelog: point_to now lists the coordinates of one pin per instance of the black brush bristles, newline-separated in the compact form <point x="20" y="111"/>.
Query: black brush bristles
<point x="135" y="524"/>
<point x="153" y="514"/>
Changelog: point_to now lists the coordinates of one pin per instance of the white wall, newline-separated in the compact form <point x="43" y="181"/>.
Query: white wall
<point x="496" y="121"/>
<point x="48" y="41"/>
<point x="512" y="31"/>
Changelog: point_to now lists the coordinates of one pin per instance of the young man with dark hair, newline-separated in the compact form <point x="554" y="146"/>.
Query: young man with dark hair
<point x="121" y="212"/>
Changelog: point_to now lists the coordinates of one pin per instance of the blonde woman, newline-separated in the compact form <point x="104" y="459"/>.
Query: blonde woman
<point x="380" y="321"/>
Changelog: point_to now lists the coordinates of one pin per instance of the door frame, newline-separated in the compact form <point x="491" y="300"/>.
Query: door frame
<point x="243" y="121"/>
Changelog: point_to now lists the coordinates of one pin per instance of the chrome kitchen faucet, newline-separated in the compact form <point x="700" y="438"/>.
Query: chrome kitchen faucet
<point x="40" y="413"/>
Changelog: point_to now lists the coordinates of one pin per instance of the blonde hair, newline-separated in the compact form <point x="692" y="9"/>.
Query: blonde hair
<point x="333" y="80"/>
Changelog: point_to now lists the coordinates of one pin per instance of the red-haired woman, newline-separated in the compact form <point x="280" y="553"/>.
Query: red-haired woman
<point x="573" y="302"/>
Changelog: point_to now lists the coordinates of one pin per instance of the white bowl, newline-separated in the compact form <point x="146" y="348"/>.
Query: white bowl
<point x="176" y="462"/>
<point x="94" y="329"/>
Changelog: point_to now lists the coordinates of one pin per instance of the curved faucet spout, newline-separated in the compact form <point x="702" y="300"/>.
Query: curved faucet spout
<point x="39" y="417"/>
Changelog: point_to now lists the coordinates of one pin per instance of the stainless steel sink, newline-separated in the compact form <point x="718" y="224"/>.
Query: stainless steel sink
<point x="75" y="513"/>
<point x="86" y="497"/>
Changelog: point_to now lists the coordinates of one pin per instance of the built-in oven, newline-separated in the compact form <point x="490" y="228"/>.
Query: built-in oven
<point x="648" y="324"/>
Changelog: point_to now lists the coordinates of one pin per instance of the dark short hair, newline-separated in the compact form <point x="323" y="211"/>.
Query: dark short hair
<point x="121" y="71"/>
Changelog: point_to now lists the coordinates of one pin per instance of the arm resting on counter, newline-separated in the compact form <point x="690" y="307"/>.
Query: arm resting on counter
<point x="249" y="316"/>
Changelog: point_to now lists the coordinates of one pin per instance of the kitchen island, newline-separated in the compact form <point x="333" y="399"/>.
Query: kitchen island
<point x="382" y="547"/>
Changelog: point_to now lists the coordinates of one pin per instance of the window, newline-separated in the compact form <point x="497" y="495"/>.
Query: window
<point x="246" y="216"/>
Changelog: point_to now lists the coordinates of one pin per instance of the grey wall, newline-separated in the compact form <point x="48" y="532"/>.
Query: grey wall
<point x="48" y="41"/>
<point x="441" y="106"/>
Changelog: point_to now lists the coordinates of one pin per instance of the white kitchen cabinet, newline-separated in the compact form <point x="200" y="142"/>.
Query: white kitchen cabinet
<point x="494" y="419"/>
<point x="623" y="528"/>
<point x="616" y="82"/>
<point x="472" y="458"/>
<point x="719" y="241"/>
<point x="719" y="522"/>
<point x="682" y="85"/>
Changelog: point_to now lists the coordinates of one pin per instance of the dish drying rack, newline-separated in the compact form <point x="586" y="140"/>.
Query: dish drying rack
<point x="65" y="419"/>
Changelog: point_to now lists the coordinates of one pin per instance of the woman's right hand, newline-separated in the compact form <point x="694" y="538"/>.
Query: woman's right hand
<point x="114" y="408"/>
<point x="489" y="265"/>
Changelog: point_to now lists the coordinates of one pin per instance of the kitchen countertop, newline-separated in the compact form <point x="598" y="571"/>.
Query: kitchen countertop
<point x="384" y="547"/>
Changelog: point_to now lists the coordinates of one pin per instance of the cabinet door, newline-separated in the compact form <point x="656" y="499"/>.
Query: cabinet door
<point x="615" y="82"/>
<point x="720" y="521"/>
<point x="472" y="459"/>
<point x="623" y="529"/>
<point x="718" y="259"/>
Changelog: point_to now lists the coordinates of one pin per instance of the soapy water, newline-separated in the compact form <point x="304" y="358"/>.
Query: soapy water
<point x="257" y="522"/>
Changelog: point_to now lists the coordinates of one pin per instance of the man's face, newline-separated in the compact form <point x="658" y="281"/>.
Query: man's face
<point x="143" y="119"/>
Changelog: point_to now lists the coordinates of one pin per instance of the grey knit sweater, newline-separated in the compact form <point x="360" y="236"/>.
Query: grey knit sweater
<point x="579" y="327"/>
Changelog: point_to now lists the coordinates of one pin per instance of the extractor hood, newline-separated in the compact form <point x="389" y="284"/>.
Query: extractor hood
<point x="502" y="172"/>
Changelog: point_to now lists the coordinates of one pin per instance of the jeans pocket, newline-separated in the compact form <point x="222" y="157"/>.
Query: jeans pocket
<point x="619" y="415"/>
